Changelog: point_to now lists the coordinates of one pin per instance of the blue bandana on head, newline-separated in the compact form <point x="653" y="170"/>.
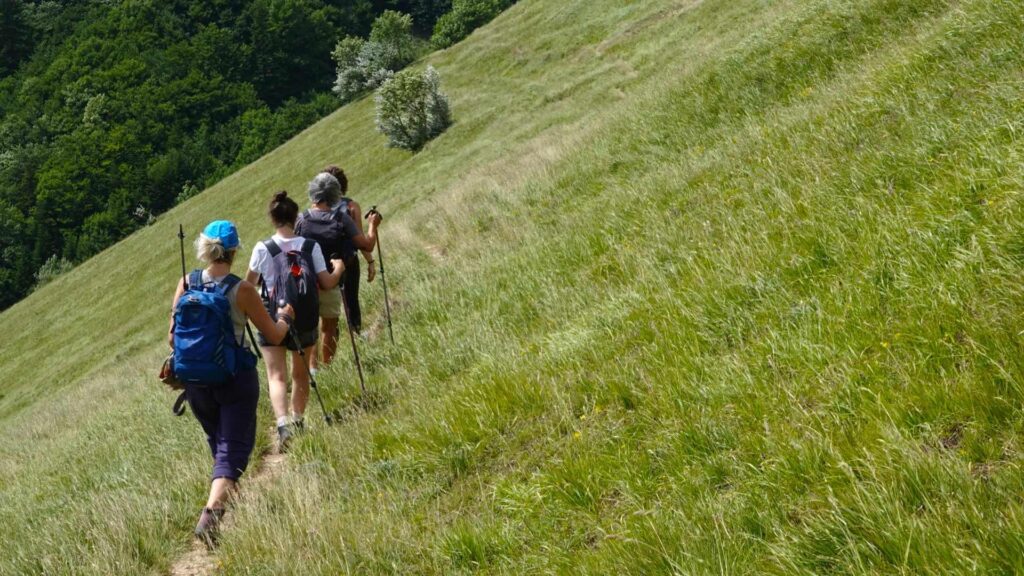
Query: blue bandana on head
<point x="224" y="231"/>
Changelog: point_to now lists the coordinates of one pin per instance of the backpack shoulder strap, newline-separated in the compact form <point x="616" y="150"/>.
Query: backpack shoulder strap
<point x="179" y="404"/>
<point x="229" y="282"/>
<point x="341" y="208"/>
<point x="195" y="279"/>
<point x="307" y="247"/>
<point x="272" y="248"/>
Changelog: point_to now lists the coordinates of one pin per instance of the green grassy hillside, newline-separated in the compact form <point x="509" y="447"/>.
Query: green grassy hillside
<point x="720" y="286"/>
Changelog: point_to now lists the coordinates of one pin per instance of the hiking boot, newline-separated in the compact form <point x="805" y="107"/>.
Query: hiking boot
<point x="208" y="528"/>
<point x="300" y="425"/>
<point x="284" y="436"/>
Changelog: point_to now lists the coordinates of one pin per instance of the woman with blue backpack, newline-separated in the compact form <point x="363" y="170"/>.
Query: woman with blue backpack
<point x="291" y="269"/>
<point x="211" y="309"/>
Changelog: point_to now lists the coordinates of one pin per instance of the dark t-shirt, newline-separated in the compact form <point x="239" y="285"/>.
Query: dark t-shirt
<point x="349" y="230"/>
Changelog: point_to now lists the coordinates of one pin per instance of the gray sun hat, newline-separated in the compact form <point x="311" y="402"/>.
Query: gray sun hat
<point x="324" y="188"/>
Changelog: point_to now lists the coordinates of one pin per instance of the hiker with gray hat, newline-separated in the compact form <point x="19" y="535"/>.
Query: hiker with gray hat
<point x="338" y="237"/>
<point x="350" y="288"/>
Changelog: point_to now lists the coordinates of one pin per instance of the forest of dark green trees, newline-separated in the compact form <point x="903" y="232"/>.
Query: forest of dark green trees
<point x="111" y="112"/>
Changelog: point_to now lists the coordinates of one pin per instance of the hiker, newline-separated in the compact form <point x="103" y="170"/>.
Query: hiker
<point x="272" y="262"/>
<point x="350" y="282"/>
<point x="227" y="409"/>
<point x="328" y="222"/>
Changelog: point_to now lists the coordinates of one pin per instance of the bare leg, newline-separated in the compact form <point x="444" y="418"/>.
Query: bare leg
<point x="277" y="378"/>
<point x="220" y="490"/>
<point x="329" y="336"/>
<point x="300" y="384"/>
<point x="314" y="361"/>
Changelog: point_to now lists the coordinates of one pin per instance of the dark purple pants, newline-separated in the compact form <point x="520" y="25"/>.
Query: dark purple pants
<point x="228" y="416"/>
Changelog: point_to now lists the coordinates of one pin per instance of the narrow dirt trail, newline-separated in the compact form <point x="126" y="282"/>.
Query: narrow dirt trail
<point x="199" y="561"/>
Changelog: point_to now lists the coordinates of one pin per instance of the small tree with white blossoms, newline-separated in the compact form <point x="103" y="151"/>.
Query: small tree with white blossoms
<point x="411" y="109"/>
<point x="363" y="65"/>
<point x="54" y="267"/>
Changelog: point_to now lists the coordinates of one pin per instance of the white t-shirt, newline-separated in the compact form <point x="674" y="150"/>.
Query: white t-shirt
<point x="261" y="260"/>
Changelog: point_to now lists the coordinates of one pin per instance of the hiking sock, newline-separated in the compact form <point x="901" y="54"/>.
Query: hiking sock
<point x="282" y="421"/>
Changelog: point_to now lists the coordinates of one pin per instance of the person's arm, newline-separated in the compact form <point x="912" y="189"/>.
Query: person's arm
<point x="328" y="280"/>
<point x="174" y="306"/>
<point x="356" y="212"/>
<point x="252" y="275"/>
<point x="249" y="302"/>
<point x="371" y="266"/>
<point x="368" y="241"/>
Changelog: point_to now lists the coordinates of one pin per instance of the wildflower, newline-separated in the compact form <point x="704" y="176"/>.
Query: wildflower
<point x="576" y="435"/>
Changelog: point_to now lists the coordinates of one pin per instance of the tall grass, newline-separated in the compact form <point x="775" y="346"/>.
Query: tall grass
<point x="690" y="287"/>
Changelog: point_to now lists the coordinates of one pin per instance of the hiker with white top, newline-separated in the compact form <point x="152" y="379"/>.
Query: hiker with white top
<point x="290" y="269"/>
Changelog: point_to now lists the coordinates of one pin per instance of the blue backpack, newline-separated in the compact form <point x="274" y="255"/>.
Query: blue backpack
<point x="205" y="350"/>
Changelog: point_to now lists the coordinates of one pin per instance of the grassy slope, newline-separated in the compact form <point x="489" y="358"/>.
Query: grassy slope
<point x="721" y="286"/>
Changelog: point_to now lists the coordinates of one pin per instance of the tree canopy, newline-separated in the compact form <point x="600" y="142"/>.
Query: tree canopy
<point x="113" y="111"/>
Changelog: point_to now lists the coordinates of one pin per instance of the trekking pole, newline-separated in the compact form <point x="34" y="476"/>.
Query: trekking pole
<point x="255" y="346"/>
<point x="181" y="241"/>
<point x="383" y="279"/>
<point x="352" y="338"/>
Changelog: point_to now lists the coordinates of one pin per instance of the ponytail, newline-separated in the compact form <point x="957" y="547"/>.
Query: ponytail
<point x="210" y="250"/>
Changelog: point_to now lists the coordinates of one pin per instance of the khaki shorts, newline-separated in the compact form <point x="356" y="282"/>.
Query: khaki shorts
<point x="330" y="303"/>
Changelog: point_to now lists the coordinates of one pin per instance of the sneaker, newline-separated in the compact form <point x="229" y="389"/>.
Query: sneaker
<point x="284" y="436"/>
<point x="208" y="528"/>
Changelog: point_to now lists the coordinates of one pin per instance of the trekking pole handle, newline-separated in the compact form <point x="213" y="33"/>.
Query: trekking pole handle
<point x="373" y="210"/>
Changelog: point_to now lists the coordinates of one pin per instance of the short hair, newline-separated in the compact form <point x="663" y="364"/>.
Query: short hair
<point x="283" y="210"/>
<point x="339" y="174"/>
<point x="324" y="188"/>
<point x="210" y="250"/>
